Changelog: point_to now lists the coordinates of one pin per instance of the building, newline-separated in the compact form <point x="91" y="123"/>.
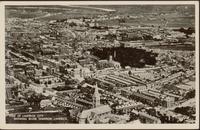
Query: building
<point x="127" y="108"/>
<point x="144" y="98"/>
<point x="45" y="103"/>
<point x="53" y="65"/>
<point x="168" y="102"/>
<point x="64" y="102"/>
<point x="77" y="73"/>
<point x="9" y="93"/>
<point x="89" y="116"/>
<point x="96" y="97"/>
<point x="113" y="63"/>
<point x="148" y="119"/>
<point x="108" y="63"/>
<point x="47" y="79"/>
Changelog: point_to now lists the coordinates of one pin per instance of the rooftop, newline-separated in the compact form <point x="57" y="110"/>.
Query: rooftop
<point x="97" y="110"/>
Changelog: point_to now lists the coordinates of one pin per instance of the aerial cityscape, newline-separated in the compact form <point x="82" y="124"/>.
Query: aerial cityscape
<point x="100" y="64"/>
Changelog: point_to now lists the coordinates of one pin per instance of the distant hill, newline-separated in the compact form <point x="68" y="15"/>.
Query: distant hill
<point x="126" y="9"/>
<point x="139" y="9"/>
<point x="149" y="15"/>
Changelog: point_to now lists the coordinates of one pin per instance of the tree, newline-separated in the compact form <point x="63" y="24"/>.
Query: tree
<point x="34" y="99"/>
<point x="49" y="82"/>
<point x="72" y="24"/>
<point x="190" y="94"/>
<point x="129" y="73"/>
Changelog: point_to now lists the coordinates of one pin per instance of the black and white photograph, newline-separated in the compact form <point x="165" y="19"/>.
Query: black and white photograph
<point x="125" y="63"/>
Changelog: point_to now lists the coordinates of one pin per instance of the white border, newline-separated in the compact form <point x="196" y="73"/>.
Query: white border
<point x="89" y="126"/>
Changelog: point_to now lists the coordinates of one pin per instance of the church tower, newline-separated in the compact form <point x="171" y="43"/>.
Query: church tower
<point x="114" y="54"/>
<point x="96" y="97"/>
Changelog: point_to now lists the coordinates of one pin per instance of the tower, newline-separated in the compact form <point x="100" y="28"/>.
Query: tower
<point x="110" y="58"/>
<point x="96" y="97"/>
<point x="114" y="54"/>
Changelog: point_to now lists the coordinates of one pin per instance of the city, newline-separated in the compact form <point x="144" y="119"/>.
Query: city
<point x="113" y="64"/>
